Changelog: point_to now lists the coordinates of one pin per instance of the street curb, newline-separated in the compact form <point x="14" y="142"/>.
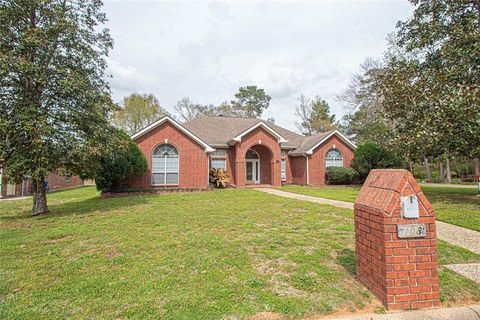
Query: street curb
<point x="456" y="313"/>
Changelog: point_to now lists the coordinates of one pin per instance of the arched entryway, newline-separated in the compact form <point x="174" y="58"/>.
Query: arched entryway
<point x="258" y="165"/>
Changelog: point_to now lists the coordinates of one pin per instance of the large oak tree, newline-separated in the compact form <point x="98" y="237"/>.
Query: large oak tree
<point x="54" y="99"/>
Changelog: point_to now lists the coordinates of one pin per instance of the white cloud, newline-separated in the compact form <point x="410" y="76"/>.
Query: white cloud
<point x="206" y="50"/>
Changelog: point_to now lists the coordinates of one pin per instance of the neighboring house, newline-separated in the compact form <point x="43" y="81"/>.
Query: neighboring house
<point x="55" y="182"/>
<point x="252" y="151"/>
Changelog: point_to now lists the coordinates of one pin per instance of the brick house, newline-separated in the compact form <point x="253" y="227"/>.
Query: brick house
<point x="252" y="151"/>
<point x="55" y="182"/>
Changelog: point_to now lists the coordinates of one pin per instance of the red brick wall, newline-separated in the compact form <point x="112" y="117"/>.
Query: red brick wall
<point x="18" y="190"/>
<point x="56" y="182"/>
<point x="193" y="161"/>
<point x="298" y="167"/>
<point x="251" y="139"/>
<point x="402" y="273"/>
<point x="288" y="166"/>
<point x="316" y="161"/>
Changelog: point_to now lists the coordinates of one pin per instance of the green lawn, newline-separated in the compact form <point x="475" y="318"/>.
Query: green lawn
<point x="453" y="205"/>
<point x="211" y="255"/>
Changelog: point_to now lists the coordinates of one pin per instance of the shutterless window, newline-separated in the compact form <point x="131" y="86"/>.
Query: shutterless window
<point x="219" y="164"/>
<point x="219" y="153"/>
<point x="284" y="170"/>
<point x="283" y="153"/>
<point x="334" y="159"/>
<point x="165" y="165"/>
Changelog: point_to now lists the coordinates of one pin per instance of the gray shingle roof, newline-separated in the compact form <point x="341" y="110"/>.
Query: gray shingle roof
<point x="220" y="130"/>
<point x="309" y="142"/>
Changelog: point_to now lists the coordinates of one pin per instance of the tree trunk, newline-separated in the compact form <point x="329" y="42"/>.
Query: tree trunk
<point x="476" y="166"/>
<point x="449" y="174"/>
<point x="427" y="170"/>
<point x="39" y="198"/>
<point x="440" y="166"/>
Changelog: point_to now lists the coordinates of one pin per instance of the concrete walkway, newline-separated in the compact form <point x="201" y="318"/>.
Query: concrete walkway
<point x="335" y="203"/>
<point x="450" y="185"/>
<point x="15" y="198"/>
<point x="462" y="237"/>
<point x="456" y="313"/>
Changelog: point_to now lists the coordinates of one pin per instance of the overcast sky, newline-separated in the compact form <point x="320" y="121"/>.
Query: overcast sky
<point x="207" y="50"/>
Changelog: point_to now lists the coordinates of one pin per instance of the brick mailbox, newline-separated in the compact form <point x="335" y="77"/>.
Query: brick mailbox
<point x="395" y="241"/>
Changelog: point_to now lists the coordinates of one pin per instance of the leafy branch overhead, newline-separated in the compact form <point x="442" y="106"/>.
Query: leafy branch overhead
<point x="423" y="98"/>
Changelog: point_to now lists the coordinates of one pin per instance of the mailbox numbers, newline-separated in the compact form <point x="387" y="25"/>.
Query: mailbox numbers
<point x="411" y="230"/>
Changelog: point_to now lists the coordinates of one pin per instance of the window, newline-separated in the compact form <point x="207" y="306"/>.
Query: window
<point x="284" y="170"/>
<point x="334" y="159"/>
<point x="218" y="159"/>
<point x="251" y="154"/>
<point x="165" y="165"/>
<point x="219" y="153"/>
<point x="283" y="153"/>
<point x="219" y="164"/>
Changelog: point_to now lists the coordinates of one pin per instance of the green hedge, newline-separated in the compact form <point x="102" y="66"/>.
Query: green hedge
<point x="341" y="175"/>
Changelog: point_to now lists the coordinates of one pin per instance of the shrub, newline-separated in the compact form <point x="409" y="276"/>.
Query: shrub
<point x="219" y="177"/>
<point x="341" y="175"/>
<point x="369" y="156"/>
<point x="124" y="161"/>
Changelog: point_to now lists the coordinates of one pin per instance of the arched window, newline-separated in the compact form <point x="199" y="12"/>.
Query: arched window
<point x="334" y="159"/>
<point x="165" y="165"/>
<point x="251" y="154"/>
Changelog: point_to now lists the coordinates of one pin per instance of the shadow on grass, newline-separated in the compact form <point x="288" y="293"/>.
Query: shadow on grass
<point x="346" y="258"/>
<point x="82" y="206"/>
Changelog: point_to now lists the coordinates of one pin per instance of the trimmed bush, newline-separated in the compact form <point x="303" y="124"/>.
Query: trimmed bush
<point x="369" y="156"/>
<point x="341" y="175"/>
<point x="124" y="161"/>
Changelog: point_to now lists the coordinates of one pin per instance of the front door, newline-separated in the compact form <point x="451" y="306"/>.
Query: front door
<point x="252" y="171"/>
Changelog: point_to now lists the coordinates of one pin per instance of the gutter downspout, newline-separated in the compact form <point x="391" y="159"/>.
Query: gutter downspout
<point x="308" y="173"/>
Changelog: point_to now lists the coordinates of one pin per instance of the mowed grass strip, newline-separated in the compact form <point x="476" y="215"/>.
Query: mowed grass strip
<point x="458" y="206"/>
<point x="181" y="256"/>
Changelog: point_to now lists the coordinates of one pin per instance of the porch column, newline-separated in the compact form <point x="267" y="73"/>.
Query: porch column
<point x="275" y="175"/>
<point x="239" y="166"/>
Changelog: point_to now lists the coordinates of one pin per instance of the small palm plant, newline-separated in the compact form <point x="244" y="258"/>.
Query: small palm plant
<point x="220" y="177"/>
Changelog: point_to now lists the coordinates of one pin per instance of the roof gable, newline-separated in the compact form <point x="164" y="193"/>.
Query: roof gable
<point x="261" y="124"/>
<point x="175" y="124"/>
<point x="310" y="143"/>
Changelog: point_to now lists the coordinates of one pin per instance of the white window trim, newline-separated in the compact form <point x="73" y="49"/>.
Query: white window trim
<point x="282" y="177"/>
<point x="213" y="155"/>
<point x="280" y="139"/>
<point x="337" y="133"/>
<point x="221" y="159"/>
<point x="165" y="172"/>
<point x="335" y="160"/>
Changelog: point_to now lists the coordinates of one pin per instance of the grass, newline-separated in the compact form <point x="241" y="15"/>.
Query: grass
<point x="457" y="206"/>
<point x="222" y="254"/>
